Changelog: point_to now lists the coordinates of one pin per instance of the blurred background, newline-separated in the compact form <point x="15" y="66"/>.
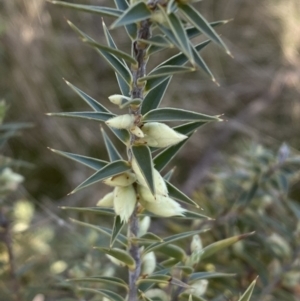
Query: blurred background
<point x="258" y="95"/>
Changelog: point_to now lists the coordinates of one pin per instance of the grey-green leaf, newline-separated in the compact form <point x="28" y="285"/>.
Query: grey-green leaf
<point x="107" y="171"/>
<point x="248" y="293"/>
<point x="117" y="228"/>
<point x="135" y="13"/>
<point x="208" y="275"/>
<point x="105" y="293"/>
<point x="93" y="163"/>
<point x="143" y="158"/>
<point x="111" y="149"/>
<point x="96" y="210"/>
<point x="172" y="114"/>
<point x="98" y="116"/>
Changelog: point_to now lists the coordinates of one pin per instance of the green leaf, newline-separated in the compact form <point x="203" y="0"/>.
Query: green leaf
<point x="192" y="215"/>
<point x="105" y="293"/>
<point x="117" y="228"/>
<point x="121" y="134"/>
<point x="119" y="254"/>
<point x="114" y="62"/>
<point x="135" y="13"/>
<point x="94" y="104"/>
<point x="159" y="279"/>
<point x="111" y="150"/>
<point x="172" y="6"/>
<point x="221" y="244"/>
<point x="103" y="11"/>
<point x="143" y="158"/>
<point x="171" y="239"/>
<point x="116" y="52"/>
<point x="178" y="195"/>
<point x="93" y="163"/>
<point x="172" y="251"/>
<point x="208" y="275"/>
<point x="102" y="279"/>
<point x="147" y="239"/>
<point x="169" y="174"/>
<point x="98" y="116"/>
<point x="248" y="293"/>
<point x="130" y="28"/>
<point x="166" y="71"/>
<point x="157" y="40"/>
<point x="201" y="24"/>
<point x="154" y="97"/>
<point x="107" y="171"/>
<point x="103" y="230"/>
<point x="173" y="114"/>
<point x="189" y="297"/>
<point x="96" y="210"/>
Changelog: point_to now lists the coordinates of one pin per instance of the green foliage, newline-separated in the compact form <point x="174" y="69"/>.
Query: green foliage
<point x="139" y="189"/>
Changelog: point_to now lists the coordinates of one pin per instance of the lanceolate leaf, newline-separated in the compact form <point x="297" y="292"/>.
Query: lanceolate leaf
<point x="135" y="13"/>
<point x="130" y="28"/>
<point x="104" y="11"/>
<point x="173" y="251"/>
<point x="98" y="116"/>
<point x="111" y="150"/>
<point x="93" y="163"/>
<point x="154" y="97"/>
<point x="117" y="228"/>
<point x="168" y="176"/>
<point x="107" y="171"/>
<point x="103" y="230"/>
<point x="158" y="40"/>
<point x="208" y="275"/>
<point x="119" y="254"/>
<point x="104" y="293"/>
<point x="94" y="104"/>
<point x="221" y="244"/>
<point x="176" y="194"/>
<point x="164" y="279"/>
<point x="121" y="134"/>
<point x="201" y="24"/>
<point x="143" y="158"/>
<point x="172" y="114"/>
<point x="248" y="293"/>
<point x="171" y="239"/>
<point x="172" y="6"/>
<point x="118" y="53"/>
<point x="96" y="210"/>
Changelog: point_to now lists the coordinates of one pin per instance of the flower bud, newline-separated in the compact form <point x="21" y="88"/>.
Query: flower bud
<point x="196" y="244"/>
<point x="107" y="200"/>
<point x="144" y="225"/>
<point x="124" y="201"/>
<point x="121" y="122"/>
<point x="198" y="288"/>
<point x="139" y="176"/>
<point x="118" y="99"/>
<point x="148" y="263"/>
<point x="163" y="206"/>
<point x="124" y="179"/>
<point x="137" y="131"/>
<point x="160" y="135"/>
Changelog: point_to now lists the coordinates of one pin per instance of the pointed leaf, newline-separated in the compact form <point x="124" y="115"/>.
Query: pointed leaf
<point x="105" y="293"/>
<point x="135" y="13"/>
<point x="171" y="239"/>
<point x="107" y="171"/>
<point x="221" y="244"/>
<point x="157" y="40"/>
<point x="154" y="97"/>
<point x="111" y="150"/>
<point x="103" y="11"/>
<point x="102" y="279"/>
<point x="159" y="279"/>
<point x="116" y="52"/>
<point x="98" y="116"/>
<point x="142" y="155"/>
<point x="173" y="114"/>
<point x="130" y="28"/>
<point x="169" y="174"/>
<point x="201" y="24"/>
<point x="187" y="215"/>
<point x="172" y="251"/>
<point x="117" y="228"/>
<point x="94" y="104"/>
<point x="178" y="195"/>
<point x="106" y="231"/>
<point x="172" y="6"/>
<point x="93" y="163"/>
<point x="147" y="239"/>
<point x="166" y="71"/>
<point x="189" y="297"/>
<point x="119" y="254"/>
<point x="96" y="210"/>
<point x="208" y="275"/>
<point x="121" y="134"/>
<point x="248" y="293"/>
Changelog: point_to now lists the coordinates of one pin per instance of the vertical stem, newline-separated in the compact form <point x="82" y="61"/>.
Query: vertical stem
<point x="139" y="52"/>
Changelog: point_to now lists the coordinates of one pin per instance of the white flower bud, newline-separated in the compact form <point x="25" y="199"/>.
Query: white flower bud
<point x="144" y="225"/>
<point x="160" y="135"/>
<point x="163" y="206"/>
<point x="137" y="131"/>
<point x="196" y="244"/>
<point x="148" y="263"/>
<point x="115" y="261"/>
<point x="198" y="288"/>
<point x="107" y="200"/>
<point x="159" y="183"/>
<point x="122" y="180"/>
<point x="139" y="176"/>
<point x="124" y="201"/>
<point x="121" y="122"/>
<point x="118" y="99"/>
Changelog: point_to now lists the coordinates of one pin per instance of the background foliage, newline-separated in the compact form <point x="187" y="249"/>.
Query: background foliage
<point x="259" y="95"/>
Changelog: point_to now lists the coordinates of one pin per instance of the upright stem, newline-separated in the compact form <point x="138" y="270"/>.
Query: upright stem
<point x="139" y="52"/>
